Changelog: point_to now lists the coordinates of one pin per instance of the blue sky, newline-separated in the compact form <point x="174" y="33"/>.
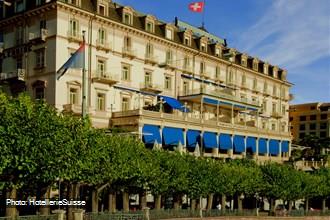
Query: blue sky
<point x="293" y="34"/>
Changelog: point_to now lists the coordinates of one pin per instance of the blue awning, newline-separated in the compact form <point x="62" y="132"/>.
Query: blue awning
<point x="225" y="142"/>
<point x="251" y="144"/>
<point x="210" y="140"/>
<point x="193" y="137"/>
<point x="239" y="144"/>
<point x="274" y="147"/>
<point x="150" y="134"/>
<point x="172" y="136"/>
<point x="210" y="101"/>
<point x="285" y="146"/>
<point x="262" y="146"/>
<point x="174" y="103"/>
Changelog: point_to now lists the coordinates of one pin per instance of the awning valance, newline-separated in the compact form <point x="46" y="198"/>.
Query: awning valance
<point x="150" y="134"/>
<point x="262" y="146"/>
<point x="225" y="142"/>
<point x="193" y="137"/>
<point x="285" y="146"/>
<point x="172" y="136"/>
<point x="174" y="103"/>
<point x="251" y="144"/>
<point x="210" y="140"/>
<point x="239" y="144"/>
<point x="274" y="147"/>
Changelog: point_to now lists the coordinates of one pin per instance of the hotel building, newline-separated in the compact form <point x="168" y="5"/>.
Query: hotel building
<point x="175" y="85"/>
<point x="310" y="119"/>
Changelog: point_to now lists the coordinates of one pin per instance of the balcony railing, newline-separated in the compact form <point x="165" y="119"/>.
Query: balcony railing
<point x="150" y="87"/>
<point x="128" y="52"/>
<point x="102" y="44"/>
<point x="220" y="93"/>
<point x="204" y="74"/>
<point x="74" y="35"/>
<point x="151" y="59"/>
<point x="18" y="74"/>
<point x="38" y="36"/>
<point x="103" y="77"/>
<point x="187" y="69"/>
<point x="276" y="115"/>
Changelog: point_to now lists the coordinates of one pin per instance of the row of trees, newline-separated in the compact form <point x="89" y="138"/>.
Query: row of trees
<point x="39" y="147"/>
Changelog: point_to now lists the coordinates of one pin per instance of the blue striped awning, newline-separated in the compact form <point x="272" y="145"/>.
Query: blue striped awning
<point x="217" y="102"/>
<point x="285" y="146"/>
<point x="174" y="103"/>
<point x="210" y="140"/>
<point x="251" y="144"/>
<point x="172" y="136"/>
<point x="239" y="144"/>
<point x="225" y="142"/>
<point x="262" y="146"/>
<point x="193" y="137"/>
<point x="150" y="134"/>
<point x="274" y="147"/>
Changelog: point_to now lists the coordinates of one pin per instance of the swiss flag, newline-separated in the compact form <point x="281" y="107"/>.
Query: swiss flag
<point x="196" y="6"/>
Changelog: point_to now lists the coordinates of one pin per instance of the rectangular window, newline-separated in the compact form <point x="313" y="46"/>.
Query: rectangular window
<point x="264" y="105"/>
<point x="302" y="127"/>
<point x="312" y="117"/>
<point x="147" y="79"/>
<point x="301" y="135"/>
<point x="217" y="52"/>
<point x="274" y="91"/>
<point x="19" y="35"/>
<point x="263" y="126"/>
<point x="101" y="68"/>
<point x="187" y="41"/>
<point x="265" y="88"/>
<point x="324" y="116"/>
<point x="323" y="125"/>
<point x="273" y="126"/>
<point x="203" y="47"/>
<point x="185" y="88"/>
<point x="101" y="36"/>
<point x="186" y="62"/>
<point x="127" y="43"/>
<point x="169" y="34"/>
<point x="40" y="58"/>
<point x="283" y="110"/>
<point x="243" y="80"/>
<point x="217" y="72"/>
<point x="73" y="96"/>
<point x="312" y="126"/>
<point x="125" y="73"/>
<point x="202" y="67"/>
<point x="302" y="118"/>
<point x="149" y="50"/>
<point x="168" y="82"/>
<point x="323" y="134"/>
<point x="39" y="93"/>
<point x="127" y="19"/>
<point x="42" y="24"/>
<point x="125" y="104"/>
<point x="19" y="62"/>
<point x="274" y="107"/>
<point x="102" y="10"/>
<point x="169" y="57"/>
<point x="74" y="28"/>
<point x="150" y="27"/>
<point x="254" y="84"/>
<point x="100" y="102"/>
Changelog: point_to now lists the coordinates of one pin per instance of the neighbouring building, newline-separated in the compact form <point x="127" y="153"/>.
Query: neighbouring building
<point x="310" y="119"/>
<point x="174" y="84"/>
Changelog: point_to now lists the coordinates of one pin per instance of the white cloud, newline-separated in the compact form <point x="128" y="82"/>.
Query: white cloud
<point x="291" y="33"/>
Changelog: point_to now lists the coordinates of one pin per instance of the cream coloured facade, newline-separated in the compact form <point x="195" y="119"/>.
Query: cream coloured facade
<point x="165" y="81"/>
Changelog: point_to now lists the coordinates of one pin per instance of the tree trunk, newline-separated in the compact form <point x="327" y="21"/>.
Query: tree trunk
<point x="11" y="210"/>
<point x="239" y="203"/>
<point x="126" y="201"/>
<point x="193" y="204"/>
<point x="45" y="210"/>
<point x="223" y="202"/>
<point x="112" y="202"/>
<point x="324" y="207"/>
<point x="210" y="201"/>
<point x="306" y="204"/>
<point x="95" y="201"/>
<point x="271" y="206"/>
<point x="158" y="202"/>
<point x="290" y="205"/>
<point x="143" y="200"/>
<point x="177" y="202"/>
<point x="70" y="193"/>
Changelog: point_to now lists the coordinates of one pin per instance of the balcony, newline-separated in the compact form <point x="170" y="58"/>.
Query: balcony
<point x="38" y="37"/>
<point x="72" y="108"/>
<point x="19" y="74"/>
<point x="74" y="36"/>
<point x="128" y="52"/>
<point x="276" y="115"/>
<point x="187" y="69"/>
<point x="168" y="64"/>
<point x="106" y="78"/>
<point x="150" y="59"/>
<point x="204" y="74"/>
<point x="244" y="86"/>
<point x="134" y="117"/>
<point x="150" y="87"/>
<point x="102" y="44"/>
<point x="266" y="92"/>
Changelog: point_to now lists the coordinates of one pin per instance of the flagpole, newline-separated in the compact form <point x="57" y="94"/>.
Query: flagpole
<point x="84" y="104"/>
<point x="203" y="15"/>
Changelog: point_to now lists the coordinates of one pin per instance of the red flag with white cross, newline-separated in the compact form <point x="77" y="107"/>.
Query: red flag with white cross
<point x="196" y="6"/>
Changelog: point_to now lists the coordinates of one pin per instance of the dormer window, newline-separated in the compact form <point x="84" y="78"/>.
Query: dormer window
<point x="217" y="52"/>
<point x="203" y="47"/>
<point x="243" y="62"/>
<point x="187" y="41"/>
<point x="127" y="18"/>
<point x="169" y="34"/>
<point x="255" y="65"/>
<point x="101" y="10"/>
<point x="265" y="69"/>
<point x="150" y="27"/>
